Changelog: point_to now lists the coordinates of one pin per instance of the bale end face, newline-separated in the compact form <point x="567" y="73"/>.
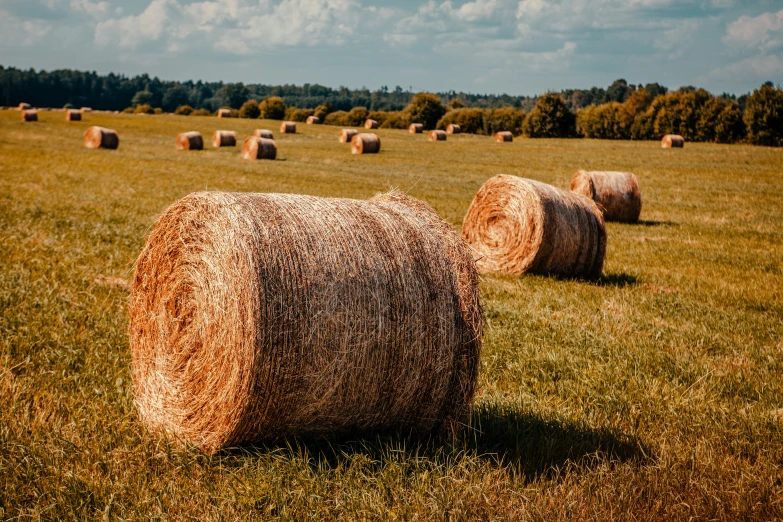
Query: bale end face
<point x="100" y="137"/>
<point x="224" y="138"/>
<point x="453" y="129"/>
<point x="288" y="127"/>
<point x="72" y="115"/>
<point x="416" y="128"/>
<point x="365" y="143"/>
<point x="436" y="135"/>
<point x="190" y="141"/>
<point x="371" y="124"/>
<point x="616" y="193"/>
<point x="504" y="137"/>
<point x="672" y="141"/>
<point x="346" y="135"/>
<point x="255" y="148"/>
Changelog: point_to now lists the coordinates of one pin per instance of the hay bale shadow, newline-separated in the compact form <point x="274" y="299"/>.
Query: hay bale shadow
<point x="617" y="280"/>
<point x="653" y="223"/>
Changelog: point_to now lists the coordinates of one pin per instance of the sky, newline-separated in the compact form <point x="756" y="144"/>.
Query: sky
<point x="518" y="47"/>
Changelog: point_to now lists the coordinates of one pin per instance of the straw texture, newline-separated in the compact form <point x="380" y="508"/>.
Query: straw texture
<point x="260" y="316"/>
<point x="415" y="128"/>
<point x="436" y="135"/>
<point x="503" y="136"/>
<point x="371" y="124"/>
<point x="365" y="143"/>
<point x="224" y="138"/>
<point x="264" y="133"/>
<point x="73" y="115"/>
<point x="346" y="135"/>
<point x="190" y="141"/>
<point x="288" y="127"/>
<point x="259" y="148"/>
<point x="101" y="137"/>
<point x="29" y="115"/>
<point x="671" y="141"/>
<point x="519" y="225"/>
<point x="452" y="128"/>
<point x="616" y="193"/>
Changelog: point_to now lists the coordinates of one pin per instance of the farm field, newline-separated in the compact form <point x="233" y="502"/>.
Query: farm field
<point x="654" y="393"/>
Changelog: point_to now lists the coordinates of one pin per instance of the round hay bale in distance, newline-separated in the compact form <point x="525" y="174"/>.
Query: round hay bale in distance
<point x="101" y="137"/>
<point x="371" y="124"/>
<point x="288" y="127"/>
<point x="190" y="141"/>
<point x="85" y="109"/>
<point x="224" y="138"/>
<point x="264" y="133"/>
<point x="452" y="128"/>
<point x="313" y="120"/>
<point x="672" y="141"/>
<point x="224" y="113"/>
<point x="503" y="136"/>
<point x="365" y="143"/>
<point x="260" y="316"/>
<point x="24" y="106"/>
<point x="73" y="115"/>
<point x="415" y="128"/>
<point x="29" y="115"/>
<point x="259" y="148"/>
<point x="519" y="225"/>
<point x="436" y="135"/>
<point x="616" y="193"/>
<point x="346" y="135"/>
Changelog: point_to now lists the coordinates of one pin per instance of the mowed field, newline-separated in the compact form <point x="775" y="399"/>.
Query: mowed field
<point x="654" y="393"/>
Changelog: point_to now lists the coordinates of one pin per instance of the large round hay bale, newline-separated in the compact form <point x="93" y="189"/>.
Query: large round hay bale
<point x="365" y="143"/>
<point x="73" y="115"/>
<point x="452" y="128"/>
<point x="264" y="133"/>
<point x="100" y="137"/>
<point x="415" y="128"/>
<point x="224" y="138"/>
<point x="288" y="127"/>
<point x="616" y="193"/>
<point x="260" y="316"/>
<point x="224" y="113"/>
<point x="672" y="141"/>
<point x="371" y="124"/>
<point x="29" y="115"/>
<point x="436" y="135"/>
<point x="190" y="141"/>
<point x="259" y="148"/>
<point x="519" y="225"/>
<point x="346" y="135"/>
<point x="313" y="120"/>
<point x="24" y="106"/>
<point x="503" y="136"/>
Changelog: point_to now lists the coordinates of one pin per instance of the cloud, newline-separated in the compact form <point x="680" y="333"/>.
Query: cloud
<point x="764" y="32"/>
<point x="759" y="68"/>
<point x="16" y="31"/>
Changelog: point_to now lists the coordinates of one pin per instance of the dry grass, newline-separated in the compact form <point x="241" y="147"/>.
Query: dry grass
<point x="650" y="394"/>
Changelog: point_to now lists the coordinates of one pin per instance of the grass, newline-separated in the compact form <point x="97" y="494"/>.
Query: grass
<point x="654" y="394"/>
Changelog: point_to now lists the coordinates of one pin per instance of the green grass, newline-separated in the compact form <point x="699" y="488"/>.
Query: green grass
<point x="649" y="395"/>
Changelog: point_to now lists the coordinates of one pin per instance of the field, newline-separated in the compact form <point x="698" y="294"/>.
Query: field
<point x="652" y="394"/>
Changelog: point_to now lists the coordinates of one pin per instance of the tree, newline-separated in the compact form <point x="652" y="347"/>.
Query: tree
<point x="456" y="103"/>
<point x="356" y="116"/>
<point x="551" y="118"/>
<point x="764" y="116"/>
<point x="250" y="110"/>
<point x="235" y="94"/>
<point x="322" y="111"/>
<point x="273" y="108"/>
<point x="142" y="98"/>
<point x="426" y="108"/>
<point x="174" y="97"/>
<point x="619" y="91"/>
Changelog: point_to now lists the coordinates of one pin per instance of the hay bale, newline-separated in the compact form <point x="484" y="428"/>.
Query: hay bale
<point x="415" y="128"/>
<point x="616" y="193"/>
<point x="672" y="141"/>
<point x="255" y="317"/>
<point x="224" y="113"/>
<point x="190" y="141"/>
<point x="436" y="135"/>
<point x="24" y="106"/>
<point x="30" y="115"/>
<point x="519" y="225"/>
<point x="259" y="148"/>
<point x="365" y="143"/>
<point x="371" y="124"/>
<point x="264" y="133"/>
<point x="346" y="135"/>
<point x="453" y="129"/>
<point x="100" y="137"/>
<point x="224" y="138"/>
<point x="85" y="109"/>
<point x="313" y="120"/>
<point x="503" y="136"/>
<point x="288" y="127"/>
<point x="73" y="115"/>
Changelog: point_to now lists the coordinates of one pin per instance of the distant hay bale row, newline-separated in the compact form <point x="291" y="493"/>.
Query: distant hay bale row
<point x="255" y="148"/>
<point x="365" y="143"/>
<point x="190" y="141"/>
<point x="224" y="138"/>
<point x="346" y="135"/>
<point x="503" y="136"/>
<point x="436" y="135"/>
<point x="313" y="120"/>
<point x="29" y="115"/>
<point x="288" y="127"/>
<point x="371" y="124"/>
<point x="415" y="128"/>
<point x="672" y="141"/>
<point x="519" y="225"/>
<point x="224" y="113"/>
<point x="73" y="115"/>
<point x="616" y="193"/>
<point x="255" y="317"/>
<point x="100" y="137"/>
<point x="453" y="129"/>
<point x="264" y="133"/>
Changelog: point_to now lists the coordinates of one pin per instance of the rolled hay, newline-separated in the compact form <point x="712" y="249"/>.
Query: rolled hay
<point x="100" y="137"/>
<point x="616" y="193"/>
<point x="255" y="317"/>
<point x="503" y="136"/>
<point x="519" y="225"/>
<point x="436" y="135"/>
<point x="415" y="128"/>
<point x="371" y="124"/>
<point x="346" y="135"/>
<point x="672" y="141"/>
<point x="365" y="143"/>
<point x="224" y="113"/>
<point x="29" y="115"/>
<point x="453" y="129"/>
<point x="288" y="127"/>
<point x="85" y="109"/>
<point x="224" y="138"/>
<point x="24" y="106"/>
<point x="73" y="115"/>
<point x="259" y="148"/>
<point x="190" y="141"/>
<point x="313" y="120"/>
<point x="263" y="133"/>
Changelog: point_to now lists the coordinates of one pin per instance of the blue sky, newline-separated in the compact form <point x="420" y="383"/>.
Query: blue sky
<point x="492" y="46"/>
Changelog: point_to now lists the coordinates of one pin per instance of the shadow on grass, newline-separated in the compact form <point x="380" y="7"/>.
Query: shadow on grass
<point x="620" y="280"/>
<point x="653" y="223"/>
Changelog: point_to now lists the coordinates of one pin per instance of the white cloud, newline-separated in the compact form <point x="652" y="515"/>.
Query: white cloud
<point x="14" y="31"/>
<point x="96" y="10"/>
<point x="478" y="10"/>
<point x="759" y="68"/>
<point x="764" y="32"/>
